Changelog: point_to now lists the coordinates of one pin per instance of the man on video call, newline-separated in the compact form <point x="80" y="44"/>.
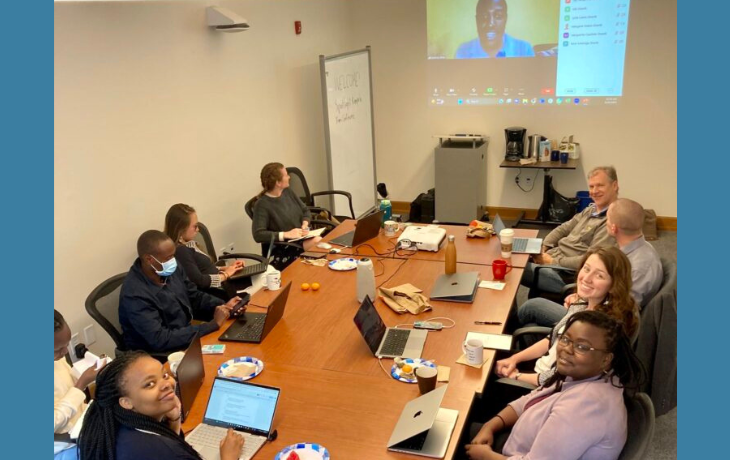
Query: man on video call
<point x="492" y="41"/>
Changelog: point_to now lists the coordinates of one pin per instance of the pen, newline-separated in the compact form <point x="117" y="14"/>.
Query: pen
<point x="489" y="323"/>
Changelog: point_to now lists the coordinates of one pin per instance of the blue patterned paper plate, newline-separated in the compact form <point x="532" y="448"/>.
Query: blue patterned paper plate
<point x="342" y="265"/>
<point x="229" y="365"/>
<point x="397" y="373"/>
<point x="305" y="451"/>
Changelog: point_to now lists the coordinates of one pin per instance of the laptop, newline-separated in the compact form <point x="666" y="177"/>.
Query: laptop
<point x="365" y="228"/>
<point x="387" y="342"/>
<point x="190" y="375"/>
<point x="519" y="245"/>
<point x="254" y="327"/>
<point x="457" y="287"/>
<point x="246" y="407"/>
<point x="254" y="269"/>
<point x="424" y="428"/>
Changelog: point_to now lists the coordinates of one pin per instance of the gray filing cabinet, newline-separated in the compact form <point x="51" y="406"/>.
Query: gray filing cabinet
<point x="461" y="179"/>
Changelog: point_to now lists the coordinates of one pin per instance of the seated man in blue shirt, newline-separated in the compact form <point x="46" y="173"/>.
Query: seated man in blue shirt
<point x="157" y="301"/>
<point x="492" y="40"/>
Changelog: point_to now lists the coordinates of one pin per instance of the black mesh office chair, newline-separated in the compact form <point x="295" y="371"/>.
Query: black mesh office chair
<point x="298" y="185"/>
<point x="285" y="252"/>
<point x="103" y="305"/>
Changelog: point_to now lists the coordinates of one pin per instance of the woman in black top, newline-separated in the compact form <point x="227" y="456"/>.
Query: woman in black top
<point x="278" y="212"/>
<point x="181" y="225"/>
<point x="136" y="415"/>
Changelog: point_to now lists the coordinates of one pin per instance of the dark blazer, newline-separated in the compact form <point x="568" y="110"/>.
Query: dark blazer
<point x="138" y="445"/>
<point x="198" y="267"/>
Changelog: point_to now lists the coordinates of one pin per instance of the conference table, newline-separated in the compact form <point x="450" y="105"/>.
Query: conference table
<point x="334" y="392"/>
<point x="480" y="251"/>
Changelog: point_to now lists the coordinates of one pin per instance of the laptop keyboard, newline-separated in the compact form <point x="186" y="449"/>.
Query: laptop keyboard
<point x="395" y="342"/>
<point x="252" y="328"/>
<point x="519" y="244"/>
<point x="250" y="270"/>
<point x="414" y="443"/>
<point x="210" y="436"/>
<point x="344" y="240"/>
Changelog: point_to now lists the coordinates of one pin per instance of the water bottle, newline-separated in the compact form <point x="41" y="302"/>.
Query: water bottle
<point x="387" y="211"/>
<point x="450" y="256"/>
<point x="365" y="279"/>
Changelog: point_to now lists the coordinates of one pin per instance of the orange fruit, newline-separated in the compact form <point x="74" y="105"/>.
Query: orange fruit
<point x="305" y="286"/>
<point x="407" y="369"/>
<point x="315" y="286"/>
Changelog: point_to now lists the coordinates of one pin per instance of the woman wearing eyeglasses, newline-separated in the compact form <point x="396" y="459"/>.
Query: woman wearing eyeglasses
<point x="579" y="412"/>
<point x="181" y="225"/>
<point x="603" y="284"/>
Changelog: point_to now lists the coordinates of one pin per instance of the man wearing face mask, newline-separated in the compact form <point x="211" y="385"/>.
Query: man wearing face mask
<point x="157" y="301"/>
<point x="491" y="17"/>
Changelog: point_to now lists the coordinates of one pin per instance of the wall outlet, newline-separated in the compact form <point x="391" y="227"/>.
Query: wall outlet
<point x="528" y="181"/>
<point x="89" y="335"/>
<point x="71" y="345"/>
<point x="227" y="249"/>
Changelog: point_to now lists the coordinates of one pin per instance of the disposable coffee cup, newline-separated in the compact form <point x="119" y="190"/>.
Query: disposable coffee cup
<point x="506" y="237"/>
<point x="174" y="360"/>
<point x="273" y="280"/>
<point x="426" y="377"/>
<point x="474" y="352"/>
<point x="390" y="227"/>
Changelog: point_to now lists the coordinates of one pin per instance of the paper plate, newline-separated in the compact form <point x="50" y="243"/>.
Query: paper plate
<point x="343" y="265"/>
<point x="229" y="365"/>
<point x="396" y="372"/>
<point x="305" y="451"/>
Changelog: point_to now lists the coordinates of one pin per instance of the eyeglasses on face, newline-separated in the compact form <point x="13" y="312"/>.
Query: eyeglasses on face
<point x="579" y="348"/>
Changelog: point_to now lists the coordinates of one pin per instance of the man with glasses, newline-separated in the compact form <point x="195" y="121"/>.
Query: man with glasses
<point x="491" y="18"/>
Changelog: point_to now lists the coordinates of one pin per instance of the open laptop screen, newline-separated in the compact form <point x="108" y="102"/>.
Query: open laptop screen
<point x="243" y="406"/>
<point x="370" y="324"/>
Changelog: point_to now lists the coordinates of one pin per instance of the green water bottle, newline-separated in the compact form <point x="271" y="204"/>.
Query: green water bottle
<point x="387" y="211"/>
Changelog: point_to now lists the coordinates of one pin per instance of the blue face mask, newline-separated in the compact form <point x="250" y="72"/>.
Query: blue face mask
<point x="168" y="268"/>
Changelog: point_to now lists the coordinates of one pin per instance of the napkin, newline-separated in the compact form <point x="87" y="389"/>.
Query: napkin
<point x="479" y="229"/>
<point x="405" y="298"/>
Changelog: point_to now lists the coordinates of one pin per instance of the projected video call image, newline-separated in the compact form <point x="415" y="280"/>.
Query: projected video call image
<point x="526" y="52"/>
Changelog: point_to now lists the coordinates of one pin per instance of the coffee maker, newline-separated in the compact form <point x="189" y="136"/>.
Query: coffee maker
<point x="515" y="137"/>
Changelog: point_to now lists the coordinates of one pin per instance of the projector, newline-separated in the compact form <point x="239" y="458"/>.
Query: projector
<point x="427" y="238"/>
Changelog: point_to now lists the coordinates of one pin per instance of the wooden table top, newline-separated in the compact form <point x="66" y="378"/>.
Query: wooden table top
<point x="333" y="390"/>
<point x="477" y="251"/>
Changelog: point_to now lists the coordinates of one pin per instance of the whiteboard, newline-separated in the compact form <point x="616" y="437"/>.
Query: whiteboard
<point x="349" y="135"/>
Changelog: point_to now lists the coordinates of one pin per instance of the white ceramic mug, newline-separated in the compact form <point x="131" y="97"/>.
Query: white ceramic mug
<point x="273" y="280"/>
<point x="506" y="237"/>
<point x="390" y="227"/>
<point x="474" y="351"/>
<point x="174" y="360"/>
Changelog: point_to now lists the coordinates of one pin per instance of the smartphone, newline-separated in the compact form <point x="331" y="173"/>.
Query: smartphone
<point x="240" y="307"/>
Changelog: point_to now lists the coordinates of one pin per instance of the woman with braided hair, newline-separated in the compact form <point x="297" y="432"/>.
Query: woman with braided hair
<point x="579" y="413"/>
<point x="136" y="415"/>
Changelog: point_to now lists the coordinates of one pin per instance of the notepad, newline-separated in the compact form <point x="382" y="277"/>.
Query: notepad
<point x="311" y="234"/>
<point x="492" y="341"/>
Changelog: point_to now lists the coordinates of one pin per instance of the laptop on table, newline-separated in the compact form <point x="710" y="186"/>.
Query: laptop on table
<point x="365" y="228"/>
<point x="457" y="287"/>
<point x="246" y="407"/>
<point x="424" y="428"/>
<point x="190" y="375"/>
<point x="254" y="327"/>
<point x="519" y="245"/>
<point x="387" y="342"/>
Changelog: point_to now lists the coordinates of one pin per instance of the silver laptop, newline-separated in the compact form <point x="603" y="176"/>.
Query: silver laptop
<point x="246" y="407"/>
<point x="388" y="342"/>
<point x="424" y="428"/>
<point x="519" y="245"/>
<point x="457" y="287"/>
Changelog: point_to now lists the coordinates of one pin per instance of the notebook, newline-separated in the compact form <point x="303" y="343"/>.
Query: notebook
<point x="519" y="245"/>
<point x="190" y="375"/>
<point x="387" y="342"/>
<point x="365" y="228"/>
<point x="424" y="428"/>
<point x="492" y="341"/>
<point x="246" y="407"/>
<point x="457" y="287"/>
<point x="254" y="327"/>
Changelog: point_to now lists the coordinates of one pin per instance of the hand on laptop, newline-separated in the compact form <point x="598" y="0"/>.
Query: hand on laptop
<point x="231" y="445"/>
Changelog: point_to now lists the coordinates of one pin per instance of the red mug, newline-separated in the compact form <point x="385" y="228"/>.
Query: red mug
<point x="500" y="268"/>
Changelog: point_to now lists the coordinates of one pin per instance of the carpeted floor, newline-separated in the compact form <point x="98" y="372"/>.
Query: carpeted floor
<point x="664" y="444"/>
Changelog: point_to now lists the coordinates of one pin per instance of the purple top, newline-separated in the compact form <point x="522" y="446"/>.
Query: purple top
<point x="586" y="420"/>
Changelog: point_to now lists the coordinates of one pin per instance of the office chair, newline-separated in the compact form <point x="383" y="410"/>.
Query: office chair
<point x="285" y="252"/>
<point x="640" y="426"/>
<point x="103" y="305"/>
<point x="298" y="185"/>
<point x="559" y="297"/>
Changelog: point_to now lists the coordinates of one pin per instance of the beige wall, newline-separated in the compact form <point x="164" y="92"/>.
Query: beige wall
<point x="152" y="108"/>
